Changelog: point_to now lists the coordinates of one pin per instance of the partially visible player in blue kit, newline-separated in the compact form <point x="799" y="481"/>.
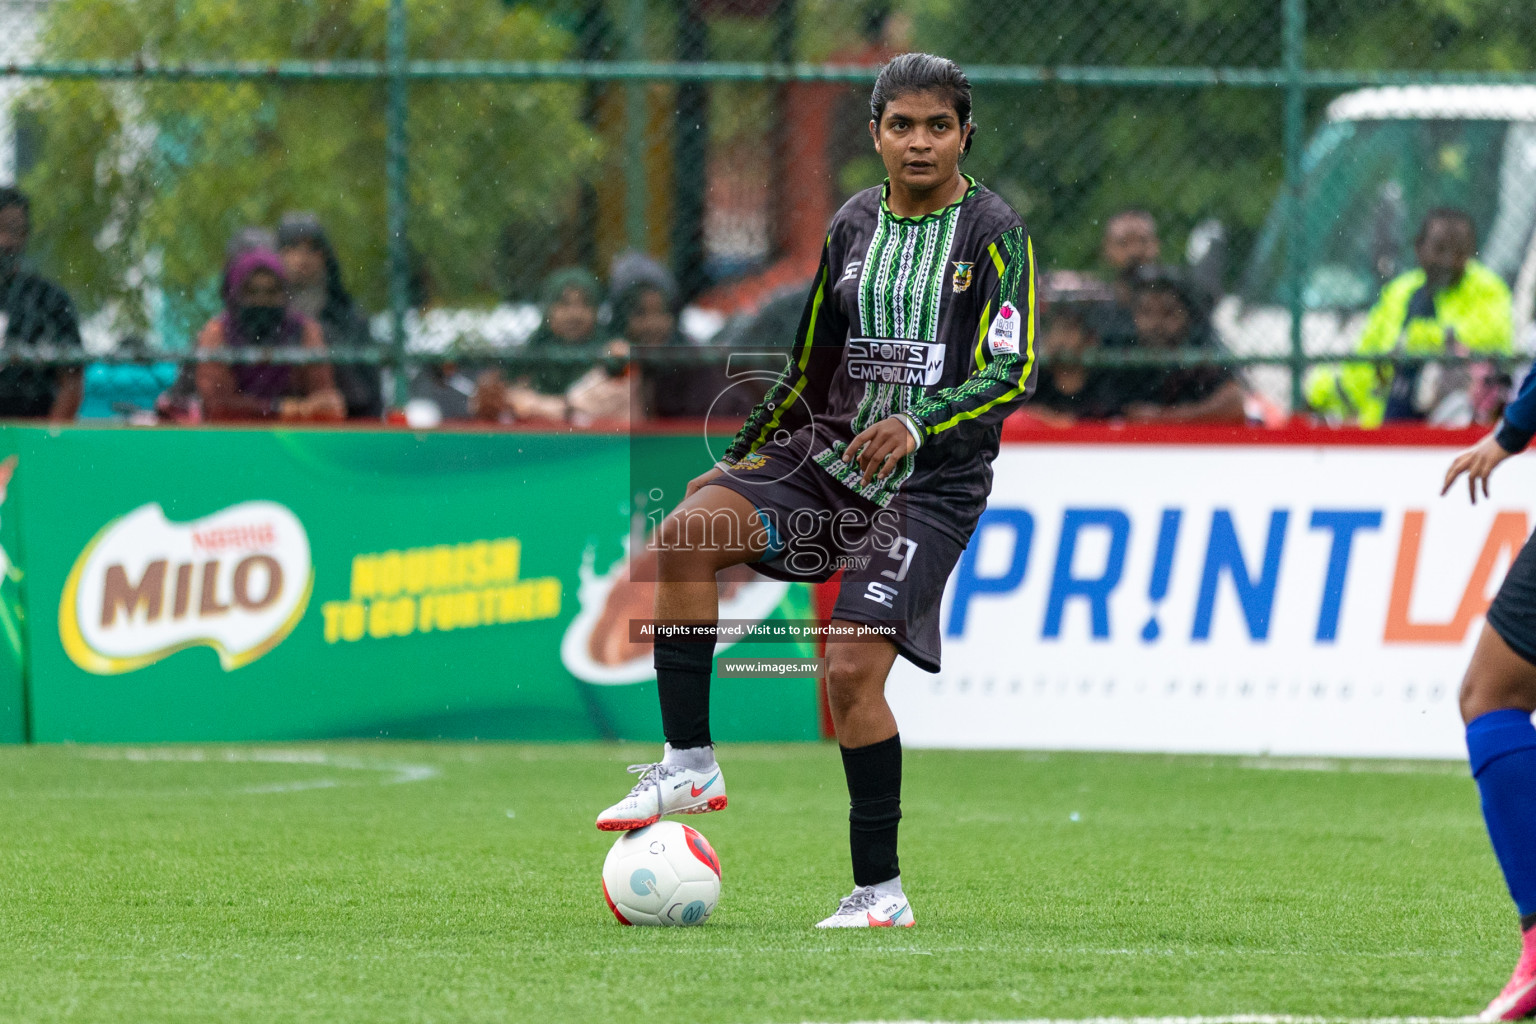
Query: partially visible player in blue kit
<point x="1498" y="697"/>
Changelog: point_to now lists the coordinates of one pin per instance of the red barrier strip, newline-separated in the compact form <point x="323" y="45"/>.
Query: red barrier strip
<point x="1024" y="430"/>
<point x="825" y="597"/>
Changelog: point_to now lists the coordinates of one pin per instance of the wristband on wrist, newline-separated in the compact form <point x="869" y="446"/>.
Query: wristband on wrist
<point x="912" y="428"/>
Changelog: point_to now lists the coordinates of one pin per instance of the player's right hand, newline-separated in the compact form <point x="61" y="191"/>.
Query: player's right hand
<point x="1478" y="463"/>
<point x="714" y="473"/>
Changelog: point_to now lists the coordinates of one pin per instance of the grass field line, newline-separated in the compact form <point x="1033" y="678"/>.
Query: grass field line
<point x="819" y="950"/>
<point x="1240" y="1018"/>
<point x="1353" y="767"/>
<point x="392" y="773"/>
<point x="1065" y="951"/>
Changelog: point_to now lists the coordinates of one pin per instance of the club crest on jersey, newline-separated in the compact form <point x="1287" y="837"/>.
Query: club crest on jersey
<point x="750" y="462"/>
<point x="1004" y="333"/>
<point x="962" y="279"/>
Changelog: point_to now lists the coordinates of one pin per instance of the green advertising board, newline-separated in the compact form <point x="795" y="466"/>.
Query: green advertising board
<point x="231" y="584"/>
<point x="13" y="663"/>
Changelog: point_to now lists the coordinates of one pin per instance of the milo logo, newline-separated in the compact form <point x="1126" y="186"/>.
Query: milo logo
<point x="144" y="588"/>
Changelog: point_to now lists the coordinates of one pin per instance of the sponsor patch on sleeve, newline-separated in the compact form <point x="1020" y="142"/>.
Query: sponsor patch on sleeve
<point x="1003" y="335"/>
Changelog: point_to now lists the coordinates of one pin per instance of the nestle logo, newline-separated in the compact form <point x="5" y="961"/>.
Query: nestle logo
<point x="244" y="536"/>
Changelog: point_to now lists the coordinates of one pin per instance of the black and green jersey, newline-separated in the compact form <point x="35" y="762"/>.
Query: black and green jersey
<point x="931" y="319"/>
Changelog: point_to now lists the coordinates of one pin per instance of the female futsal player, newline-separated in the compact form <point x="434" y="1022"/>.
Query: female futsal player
<point x="871" y="453"/>
<point x="1498" y="696"/>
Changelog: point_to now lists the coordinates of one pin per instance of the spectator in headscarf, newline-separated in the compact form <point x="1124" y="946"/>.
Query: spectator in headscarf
<point x="257" y="316"/>
<point x="645" y="315"/>
<point x="569" y="300"/>
<point x="317" y="290"/>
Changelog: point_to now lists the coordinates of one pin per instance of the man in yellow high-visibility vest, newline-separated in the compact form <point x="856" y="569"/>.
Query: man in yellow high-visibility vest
<point x="1451" y="303"/>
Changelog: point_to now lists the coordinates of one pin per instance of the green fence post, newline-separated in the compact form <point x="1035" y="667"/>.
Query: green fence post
<point x="1295" y="43"/>
<point x="634" y="131"/>
<point x="690" y="152"/>
<point x="397" y="191"/>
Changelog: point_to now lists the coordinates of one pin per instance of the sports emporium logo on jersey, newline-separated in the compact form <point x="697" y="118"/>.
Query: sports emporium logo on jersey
<point x="144" y="588"/>
<point x="962" y="279"/>
<point x="1003" y="336"/>
<point x="895" y="362"/>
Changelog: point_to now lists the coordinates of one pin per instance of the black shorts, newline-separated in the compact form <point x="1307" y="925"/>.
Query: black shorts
<point x="1513" y="612"/>
<point x="894" y="565"/>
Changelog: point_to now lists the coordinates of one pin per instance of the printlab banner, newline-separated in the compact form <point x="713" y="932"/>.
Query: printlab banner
<point x="244" y="584"/>
<point x="1284" y="600"/>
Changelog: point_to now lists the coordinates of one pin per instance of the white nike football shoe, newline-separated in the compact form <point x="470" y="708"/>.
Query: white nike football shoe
<point x="866" y="908"/>
<point x="665" y="789"/>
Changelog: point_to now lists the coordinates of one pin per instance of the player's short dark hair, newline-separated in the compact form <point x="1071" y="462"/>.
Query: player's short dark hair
<point x="923" y="72"/>
<point x="1445" y="213"/>
<point x="10" y="195"/>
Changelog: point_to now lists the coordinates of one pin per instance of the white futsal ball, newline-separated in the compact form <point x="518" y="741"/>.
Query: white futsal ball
<point x="665" y="874"/>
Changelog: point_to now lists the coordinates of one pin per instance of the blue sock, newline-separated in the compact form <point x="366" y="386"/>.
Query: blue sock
<point x="1501" y="746"/>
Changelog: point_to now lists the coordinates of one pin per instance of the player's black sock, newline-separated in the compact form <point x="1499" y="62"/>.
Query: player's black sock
<point x="682" y="681"/>
<point x="874" y="799"/>
<point x="1527" y="922"/>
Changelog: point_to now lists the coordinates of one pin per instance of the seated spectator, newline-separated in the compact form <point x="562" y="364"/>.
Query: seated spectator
<point x="317" y="290"/>
<point x="644" y="316"/>
<point x="570" y="300"/>
<point x="1065" y="391"/>
<point x="1450" y="304"/>
<point x="257" y="315"/>
<point x="1472" y="394"/>
<point x="37" y="313"/>
<point x="1169" y="317"/>
<point x="1130" y="243"/>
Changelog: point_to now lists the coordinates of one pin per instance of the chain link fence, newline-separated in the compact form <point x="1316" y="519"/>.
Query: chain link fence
<point x="458" y="153"/>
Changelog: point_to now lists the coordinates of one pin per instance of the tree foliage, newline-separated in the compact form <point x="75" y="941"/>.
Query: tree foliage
<point x="1068" y="156"/>
<point x="144" y="182"/>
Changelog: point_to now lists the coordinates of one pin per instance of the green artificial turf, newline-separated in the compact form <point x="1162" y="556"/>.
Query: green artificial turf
<point x="423" y="882"/>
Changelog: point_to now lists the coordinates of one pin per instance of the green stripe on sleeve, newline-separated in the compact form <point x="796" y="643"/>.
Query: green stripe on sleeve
<point x="1006" y="361"/>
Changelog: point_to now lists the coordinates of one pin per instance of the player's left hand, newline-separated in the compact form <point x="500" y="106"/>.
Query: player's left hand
<point x="1478" y="463"/>
<point x="879" y="449"/>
